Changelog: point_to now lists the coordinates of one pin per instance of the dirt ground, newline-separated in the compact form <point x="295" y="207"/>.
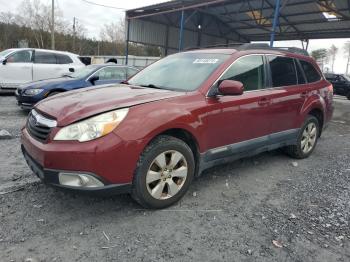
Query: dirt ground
<point x="265" y="208"/>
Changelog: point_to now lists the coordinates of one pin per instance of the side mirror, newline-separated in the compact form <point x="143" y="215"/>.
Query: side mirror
<point x="94" y="79"/>
<point x="231" y="88"/>
<point x="4" y="61"/>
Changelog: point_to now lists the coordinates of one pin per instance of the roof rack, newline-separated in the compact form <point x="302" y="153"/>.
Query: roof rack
<point x="295" y="50"/>
<point x="249" y="46"/>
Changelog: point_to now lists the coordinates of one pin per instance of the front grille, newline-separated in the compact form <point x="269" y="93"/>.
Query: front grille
<point x="38" y="126"/>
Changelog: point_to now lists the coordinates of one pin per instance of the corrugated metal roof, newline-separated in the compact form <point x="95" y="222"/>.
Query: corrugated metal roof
<point x="222" y="21"/>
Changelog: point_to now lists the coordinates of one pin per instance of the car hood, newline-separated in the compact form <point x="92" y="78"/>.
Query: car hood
<point x="73" y="106"/>
<point x="50" y="83"/>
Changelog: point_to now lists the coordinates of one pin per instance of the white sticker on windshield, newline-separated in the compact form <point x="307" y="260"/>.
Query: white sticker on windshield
<point x="205" y="61"/>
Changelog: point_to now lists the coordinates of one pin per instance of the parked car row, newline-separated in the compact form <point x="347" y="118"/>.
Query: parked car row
<point x="34" y="74"/>
<point x="93" y="75"/>
<point x="24" y="65"/>
<point x="341" y="84"/>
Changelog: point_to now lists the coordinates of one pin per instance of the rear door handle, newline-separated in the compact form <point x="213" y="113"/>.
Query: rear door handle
<point x="264" y="101"/>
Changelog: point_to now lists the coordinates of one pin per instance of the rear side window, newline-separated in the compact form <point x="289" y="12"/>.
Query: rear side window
<point x="63" y="59"/>
<point x="282" y="71"/>
<point x="249" y="70"/>
<point x="311" y="73"/>
<point x="44" y="58"/>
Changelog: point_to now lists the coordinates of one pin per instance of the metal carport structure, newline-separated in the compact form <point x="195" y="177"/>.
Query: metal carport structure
<point x="180" y="24"/>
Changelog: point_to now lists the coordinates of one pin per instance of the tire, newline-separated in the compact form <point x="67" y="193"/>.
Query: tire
<point x="159" y="183"/>
<point x="306" y="138"/>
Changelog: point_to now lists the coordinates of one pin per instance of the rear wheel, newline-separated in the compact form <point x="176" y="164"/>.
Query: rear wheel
<point x="307" y="139"/>
<point x="164" y="172"/>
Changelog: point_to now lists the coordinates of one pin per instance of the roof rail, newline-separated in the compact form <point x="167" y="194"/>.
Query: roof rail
<point x="229" y="45"/>
<point x="295" y="50"/>
<point x="249" y="46"/>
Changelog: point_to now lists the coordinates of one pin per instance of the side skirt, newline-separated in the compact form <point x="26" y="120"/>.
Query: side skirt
<point x="229" y="153"/>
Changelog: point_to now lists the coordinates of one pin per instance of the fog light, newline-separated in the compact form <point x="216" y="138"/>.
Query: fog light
<point x="79" y="180"/>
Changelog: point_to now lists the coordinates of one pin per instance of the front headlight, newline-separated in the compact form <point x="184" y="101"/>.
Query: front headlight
<point x="33" y="92"/>
<point x="92" y="128"/>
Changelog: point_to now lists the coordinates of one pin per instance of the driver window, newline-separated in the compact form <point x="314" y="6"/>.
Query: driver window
<point x="20" y="57"/>
<point x="110" y="73"/>
<point x="249" y="70"/>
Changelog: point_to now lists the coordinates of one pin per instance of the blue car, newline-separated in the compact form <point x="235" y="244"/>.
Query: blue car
<point x="29" y="94"/>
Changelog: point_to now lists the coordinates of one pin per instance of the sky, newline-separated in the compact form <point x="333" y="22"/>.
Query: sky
<point x="93" y="17"/>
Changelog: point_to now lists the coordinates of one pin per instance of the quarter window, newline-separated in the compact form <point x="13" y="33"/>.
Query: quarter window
<point x="248" y="70"/>
<point x="20" y="57"/>
<point x="282" y="71"/>
<point x="131" y="72"/>
<point x="311" y="73"/>
<point x="45" y="58"/>
<point x="63" y="59"/>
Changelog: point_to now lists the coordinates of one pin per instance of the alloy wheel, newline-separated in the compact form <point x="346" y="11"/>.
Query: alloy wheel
<point x="309" y="137"/>
<point x="166" y="175"/>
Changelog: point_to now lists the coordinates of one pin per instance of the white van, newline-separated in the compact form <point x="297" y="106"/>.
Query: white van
<point x="23" y="65"/>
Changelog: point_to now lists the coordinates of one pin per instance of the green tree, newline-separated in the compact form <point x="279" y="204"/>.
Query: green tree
<point x="320" y="55"/>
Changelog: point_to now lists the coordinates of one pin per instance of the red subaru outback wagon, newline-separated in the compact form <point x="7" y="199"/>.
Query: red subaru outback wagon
<point x="189" y="111"/>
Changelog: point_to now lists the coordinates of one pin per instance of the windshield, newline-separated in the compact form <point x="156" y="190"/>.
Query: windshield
<point x="181" y="72"/>
<point x="5" y="52"/>
<point x="84" y="72"/>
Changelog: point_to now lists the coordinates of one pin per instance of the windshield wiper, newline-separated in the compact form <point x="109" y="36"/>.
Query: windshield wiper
<point x="152" y="86"/>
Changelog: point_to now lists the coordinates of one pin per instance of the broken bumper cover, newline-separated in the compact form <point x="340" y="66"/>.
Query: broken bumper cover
<point x="51" y="177"/>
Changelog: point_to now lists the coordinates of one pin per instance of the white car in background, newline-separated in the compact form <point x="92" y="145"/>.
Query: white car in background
<point x="23" y="65"/>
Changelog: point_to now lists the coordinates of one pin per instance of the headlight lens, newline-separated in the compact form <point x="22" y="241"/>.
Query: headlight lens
<point x="33" y="92"/>
<point x="92" y="128"/>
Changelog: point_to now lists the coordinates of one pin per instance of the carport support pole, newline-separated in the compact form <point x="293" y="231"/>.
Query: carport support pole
<point x="181" y="30"/>
<point x="127" y="42"/>
<point x="275" y="21"/>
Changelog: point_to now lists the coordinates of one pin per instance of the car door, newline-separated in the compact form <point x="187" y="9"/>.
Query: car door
<point x="17" y="69"/>
<point x="110" y="75"/>
<point x="240" y="123"/>
<point x="66" y="64"/>
<point x="288" y="93"/>
<point x="45" y="66"/>
<point x="340" y="85"/>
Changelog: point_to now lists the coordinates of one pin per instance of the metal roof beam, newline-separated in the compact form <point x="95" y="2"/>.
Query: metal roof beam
<point x="333" y="10"/>
<point x="221" y="21"/>
<point x="269" y="8"/>
<point x="286" y="19"/>
<point x="303" y="22"/>
<point x="295" y="14"/>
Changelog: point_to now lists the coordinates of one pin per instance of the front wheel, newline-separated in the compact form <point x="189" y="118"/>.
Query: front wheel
<point x="164" y="172"/>
<point x="307" y="139"/>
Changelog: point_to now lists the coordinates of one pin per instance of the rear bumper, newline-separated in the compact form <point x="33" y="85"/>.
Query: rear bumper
<point x="50" y="177"/>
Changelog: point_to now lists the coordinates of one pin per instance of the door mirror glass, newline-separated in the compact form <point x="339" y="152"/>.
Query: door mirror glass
<point x="231" y="88"/>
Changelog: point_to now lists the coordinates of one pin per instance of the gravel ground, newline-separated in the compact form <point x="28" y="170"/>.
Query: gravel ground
<point x="265" y="208"/>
